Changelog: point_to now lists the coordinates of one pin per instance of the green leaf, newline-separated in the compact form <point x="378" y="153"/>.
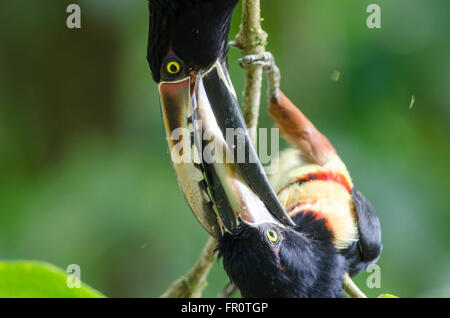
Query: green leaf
<point x="20" y="279"/>
<point x="387" y="296"/>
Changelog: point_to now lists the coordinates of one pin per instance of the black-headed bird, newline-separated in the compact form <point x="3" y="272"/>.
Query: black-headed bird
<point x="296" y="238"/>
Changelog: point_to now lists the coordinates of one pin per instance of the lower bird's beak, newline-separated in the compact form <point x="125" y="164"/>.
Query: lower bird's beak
<point x="224" y="183"/>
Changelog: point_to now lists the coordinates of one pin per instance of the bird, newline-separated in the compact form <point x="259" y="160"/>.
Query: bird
<point x="336" y="227"/>
<point x="295" y="235"/>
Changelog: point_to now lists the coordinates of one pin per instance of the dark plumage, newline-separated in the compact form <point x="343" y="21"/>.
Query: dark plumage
<point x="195" y="30"/>
<point x="367" y="249"/>
<point x="304" y="263"/>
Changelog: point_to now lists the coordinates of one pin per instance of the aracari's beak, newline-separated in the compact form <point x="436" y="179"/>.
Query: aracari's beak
<point x="224" y="183"/>
<point x="176" y="109"/>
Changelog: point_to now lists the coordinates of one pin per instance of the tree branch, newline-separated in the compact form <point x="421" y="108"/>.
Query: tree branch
<point x="351" y="289"/>
<point x="194" y="282"/>
<point x="252" y="40"/>
<point x="228" y="291"/>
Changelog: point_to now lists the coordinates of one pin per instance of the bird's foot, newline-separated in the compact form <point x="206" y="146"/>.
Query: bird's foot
<point x="267" y="62"/>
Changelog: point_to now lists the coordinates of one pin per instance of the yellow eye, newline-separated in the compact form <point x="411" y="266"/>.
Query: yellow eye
<point x="173" y="67"/>
<point x="272" y="235"/>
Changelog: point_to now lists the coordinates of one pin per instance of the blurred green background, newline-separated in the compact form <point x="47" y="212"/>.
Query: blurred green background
<point x="85" y="175"/>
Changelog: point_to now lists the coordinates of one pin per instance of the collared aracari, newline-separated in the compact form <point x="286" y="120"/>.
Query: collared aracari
<point x="329" y="228"/>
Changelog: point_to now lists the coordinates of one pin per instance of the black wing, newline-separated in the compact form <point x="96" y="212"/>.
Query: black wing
<point x="367" y="249"/>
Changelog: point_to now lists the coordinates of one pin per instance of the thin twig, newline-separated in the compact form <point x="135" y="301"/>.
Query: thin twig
<point x="252" y="40"/>
<point x="351" y="289"/>
<point x="228" y="291"/>
<point x="194" y="282"/>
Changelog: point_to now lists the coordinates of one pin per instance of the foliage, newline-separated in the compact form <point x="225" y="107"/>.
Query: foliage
<point x="25" y="279"/>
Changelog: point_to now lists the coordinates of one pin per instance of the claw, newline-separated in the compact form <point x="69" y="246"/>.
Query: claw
<point x="267" y="62"/>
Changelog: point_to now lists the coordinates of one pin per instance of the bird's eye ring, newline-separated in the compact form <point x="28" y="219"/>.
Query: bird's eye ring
<point x="272" y="236"/>
<point x="173" y="67"/>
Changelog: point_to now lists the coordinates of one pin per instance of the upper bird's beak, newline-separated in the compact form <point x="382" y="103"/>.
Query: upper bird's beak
<point x="225" y="183"/>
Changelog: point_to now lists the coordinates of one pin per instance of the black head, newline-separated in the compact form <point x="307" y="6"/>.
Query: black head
<point x="194" y="33"/>
<point x="271" y="261"/>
